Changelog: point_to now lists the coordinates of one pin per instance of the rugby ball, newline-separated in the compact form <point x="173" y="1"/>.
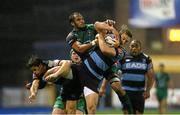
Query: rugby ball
<point x="110" y="40"/>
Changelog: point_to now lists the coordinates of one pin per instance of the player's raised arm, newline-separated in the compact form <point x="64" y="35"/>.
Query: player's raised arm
<point x="104" y="29"/>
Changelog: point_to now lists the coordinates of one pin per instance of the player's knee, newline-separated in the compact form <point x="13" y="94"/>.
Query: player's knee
<point x="91" y="107"/>
<point x="71" y="111"/>
<point x="58" y="111"/>
<point x="117" y="89"/>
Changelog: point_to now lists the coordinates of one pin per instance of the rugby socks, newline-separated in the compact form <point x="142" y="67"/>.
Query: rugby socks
<point x="126" y="103"/>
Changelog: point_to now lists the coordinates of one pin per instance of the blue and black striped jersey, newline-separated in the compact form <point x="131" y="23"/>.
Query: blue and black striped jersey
<point x="97" y="63"/>
<point x="134" y="70"/>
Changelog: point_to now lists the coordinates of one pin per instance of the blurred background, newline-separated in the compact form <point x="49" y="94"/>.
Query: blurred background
<point x="40" y="27"/>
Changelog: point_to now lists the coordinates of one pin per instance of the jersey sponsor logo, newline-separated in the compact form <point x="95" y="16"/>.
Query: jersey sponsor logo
<point x="135" y="65"/>
<point x="127" y="60"/>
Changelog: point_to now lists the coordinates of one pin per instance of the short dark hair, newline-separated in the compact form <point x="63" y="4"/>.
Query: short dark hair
<point x="72" y="16"/>
<point x="34" y="61"/>
<point x="124" y="29"/>
<point x="137" y="41"/>
<point x="71" y="51"/>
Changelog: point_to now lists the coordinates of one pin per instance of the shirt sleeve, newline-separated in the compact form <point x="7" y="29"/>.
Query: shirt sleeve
<point x="71" y="38"/>
<point x="149" y="63"/>
<point x="53" y="63"/>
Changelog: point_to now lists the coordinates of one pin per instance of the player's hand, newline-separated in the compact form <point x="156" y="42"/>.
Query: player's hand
<point x="146" y="94"/>
<point x="96" y="41"/>
<point x="110" y="22"/>
<point x="51" y="78"/>
<point x="32" y="97"/>
<point x="28" y="86"/>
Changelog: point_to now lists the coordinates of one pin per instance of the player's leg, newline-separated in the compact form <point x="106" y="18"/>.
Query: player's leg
<point x="81" y="106"/>
<point x="58" y="106"/>
<point x="71" y="106"/>
<point x="72" y="93"/>
<point x="70" y="99"/>
<point x="137" y="101"/>
<point x="123" y="97"/>
<point x="91" y="100"/>
<point x="163" y="106"/>
<point x="162" y="99"/>
<point x="58" y="111"/>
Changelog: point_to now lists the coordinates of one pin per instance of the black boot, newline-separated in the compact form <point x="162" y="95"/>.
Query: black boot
<point x="126" y="103"/>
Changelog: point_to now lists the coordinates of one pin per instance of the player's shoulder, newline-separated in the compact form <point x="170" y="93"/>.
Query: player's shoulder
<point x="72" y="33"/>
<point x="144" y="55"/>
<point x="71" y="36"/>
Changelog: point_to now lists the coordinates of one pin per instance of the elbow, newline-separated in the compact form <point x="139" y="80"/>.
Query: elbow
<point x="67" y="63"/>
<point x="105" y="52"/>
<point x="66" y="66"/>
<point x="97" y="26"/>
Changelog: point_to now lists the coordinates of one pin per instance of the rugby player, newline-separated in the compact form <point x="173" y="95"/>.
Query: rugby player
<point x="39" y="68"/>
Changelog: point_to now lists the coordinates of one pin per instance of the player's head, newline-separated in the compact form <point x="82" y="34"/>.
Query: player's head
<point x="161" y="67"/>
<point x="125" y="35"/>
<point x="77" y="20"/>
<point x="36" y="65"/>
<point x="135" y="47"/>
<point x="75" y="57"/>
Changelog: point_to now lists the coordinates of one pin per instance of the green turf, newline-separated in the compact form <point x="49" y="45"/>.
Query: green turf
<point x="147" y="111"/>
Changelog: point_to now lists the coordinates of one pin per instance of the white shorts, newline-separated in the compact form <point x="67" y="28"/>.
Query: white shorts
<point x="88" y="91"/>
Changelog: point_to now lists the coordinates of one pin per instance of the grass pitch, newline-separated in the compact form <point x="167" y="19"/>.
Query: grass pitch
<point x="147" y="111"/>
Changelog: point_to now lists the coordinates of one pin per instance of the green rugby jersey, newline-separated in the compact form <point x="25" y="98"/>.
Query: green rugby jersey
<point x="83" y="35"/>
<point x="162" y="80"/>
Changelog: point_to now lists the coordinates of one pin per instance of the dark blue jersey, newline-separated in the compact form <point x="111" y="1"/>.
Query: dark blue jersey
<point x="50" y="64"/>
<point x="97" y="63"/>
<point x="134" y="70"/>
